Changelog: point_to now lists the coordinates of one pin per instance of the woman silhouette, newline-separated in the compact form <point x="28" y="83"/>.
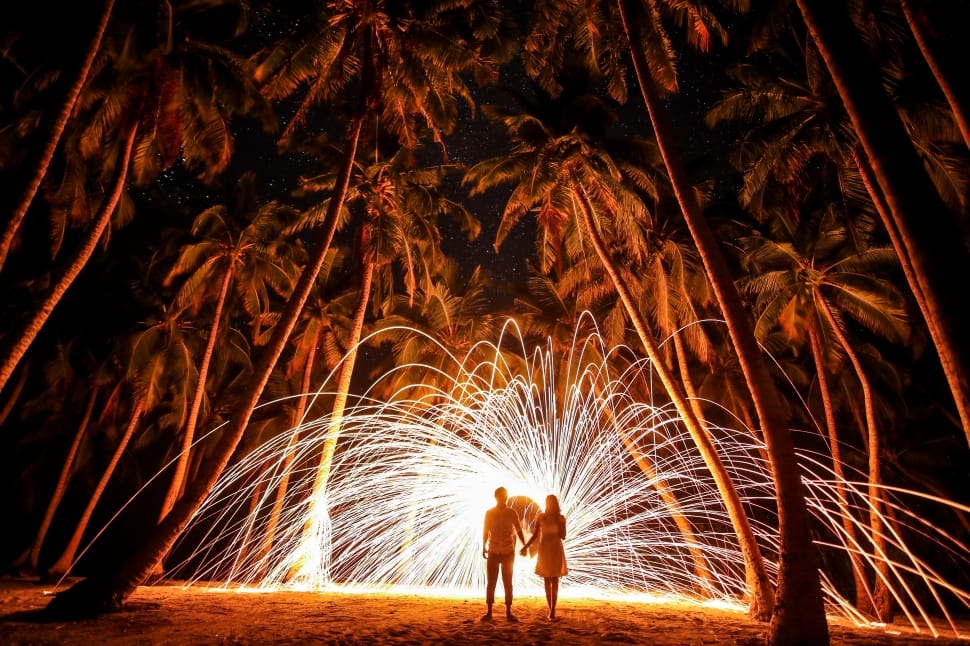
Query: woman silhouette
<point x="550" y="529"/>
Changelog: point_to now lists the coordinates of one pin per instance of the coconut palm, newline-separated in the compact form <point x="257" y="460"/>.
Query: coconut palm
<point x="810" y="282"/>
<point x="919" y="19"/>
<point x="52" y="137"/>
<point x="150" y="105"/>
<point x="398" y="206"/>
<point x="70" y="372"/>
<point x="239" y="248"/>
<point x="24" y="335"/>
<point x="565" y="168"/>
<point x="159" y="360"/>
<point x="318" y="343"/>
<point x="930" y="246"/>
<point x="431" y="330"/>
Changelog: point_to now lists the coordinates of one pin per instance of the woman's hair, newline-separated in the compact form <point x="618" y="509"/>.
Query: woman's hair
<point x="552" y="504"/>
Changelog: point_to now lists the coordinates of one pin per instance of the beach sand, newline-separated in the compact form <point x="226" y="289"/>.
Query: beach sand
<point x="172" y="614"/>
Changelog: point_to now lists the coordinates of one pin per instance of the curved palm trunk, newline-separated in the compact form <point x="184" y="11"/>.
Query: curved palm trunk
<point x="799" y="614"/>
<point x="930" y="235"/>
<point x="757" y="577"/>
<point x="882" y="599"/>
<point x="862" y="594"/>
<point x="269" y="536"/>
<point x="684" y="368"/>
<point x="953" y="380"/>
<point x="188" y="438"/>
<point x="65" y="562"/>
<point x="53" y="137"/>
<point x="26" y="336"/>
<point x="31" y="557"/>
<point x="318" y="512"/>
<point x="942" y="79"/>
<point x="108" y="589"/>
<point x="14" y="394"/>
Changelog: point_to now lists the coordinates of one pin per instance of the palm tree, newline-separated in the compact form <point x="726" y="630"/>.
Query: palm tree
<point x="809" y="283"/>
<point x="316" y="347"/>
<point x="25" y="335"/>
<point x="918" y="19"/>
<point x="399" y="207"/>
<point x="145" y="111"/>
<point x="406" y="67"/>
<point x="53" y="136"/>
<point x="441" y="323"/>
<point x="159" y="359"/>
<point x="799" y="614"/>
<point x="63" y="378"/>
<point x="242" y="248"/>
<point x="565" y="170"/>
<point x="929" y="245"/>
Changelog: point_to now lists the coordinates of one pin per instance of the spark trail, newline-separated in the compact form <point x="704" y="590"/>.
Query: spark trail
<point x="414" y="473"/>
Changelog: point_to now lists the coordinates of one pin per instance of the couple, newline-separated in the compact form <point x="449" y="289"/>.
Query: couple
<point x="498" y="546"/>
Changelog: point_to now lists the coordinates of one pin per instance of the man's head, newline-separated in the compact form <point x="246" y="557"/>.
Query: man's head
<point x="501" y="495"/>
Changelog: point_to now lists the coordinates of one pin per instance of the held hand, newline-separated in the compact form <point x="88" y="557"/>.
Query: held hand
<point x="524" y="551"/>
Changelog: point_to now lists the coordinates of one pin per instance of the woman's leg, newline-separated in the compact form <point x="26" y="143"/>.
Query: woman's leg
<point x="553" y="596"/>
<point x="547" y="584"/>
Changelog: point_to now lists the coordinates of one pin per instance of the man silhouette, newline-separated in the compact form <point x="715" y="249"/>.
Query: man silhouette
<point x="498" y="548"/>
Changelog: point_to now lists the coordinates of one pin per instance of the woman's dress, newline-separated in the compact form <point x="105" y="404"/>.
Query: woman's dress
<point x="551" y="559"/>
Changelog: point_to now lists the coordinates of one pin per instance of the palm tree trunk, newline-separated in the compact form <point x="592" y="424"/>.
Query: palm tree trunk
<point x="691" y="392"/>
<point x="862" y="594"/>
<point x="25" y="337"/>
<point x="953" y="379"/>
<point x="108" y="589"/>
<point x="31" y="558"/>
<point x="762" y="594"/>
<point x="799" y="614"/>
<point x="931" y="236"/>
<point x="188" y="437"/>
<point x="53" y="137"/>
<point x="882" y="599"/>
<point x="269" y="536"/>
<point x="65" y="562"/>
<point x="14" y="394"/>
<point x="942" y="79"/>
<point x="309" y="542"/>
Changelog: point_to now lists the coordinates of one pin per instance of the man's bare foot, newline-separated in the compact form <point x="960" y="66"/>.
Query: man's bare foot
<point x="510" y="617"/>
<point x="486" y="617"/>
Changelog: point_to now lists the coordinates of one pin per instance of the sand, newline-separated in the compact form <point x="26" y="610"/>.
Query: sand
<point x="173" y="614"/>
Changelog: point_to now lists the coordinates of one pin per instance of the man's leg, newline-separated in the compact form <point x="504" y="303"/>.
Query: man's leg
<point x="507" y="565"/>
<point x="491" y="579"/>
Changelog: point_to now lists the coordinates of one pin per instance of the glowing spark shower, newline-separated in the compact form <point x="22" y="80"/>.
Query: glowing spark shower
<point x="414" y="473"/>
